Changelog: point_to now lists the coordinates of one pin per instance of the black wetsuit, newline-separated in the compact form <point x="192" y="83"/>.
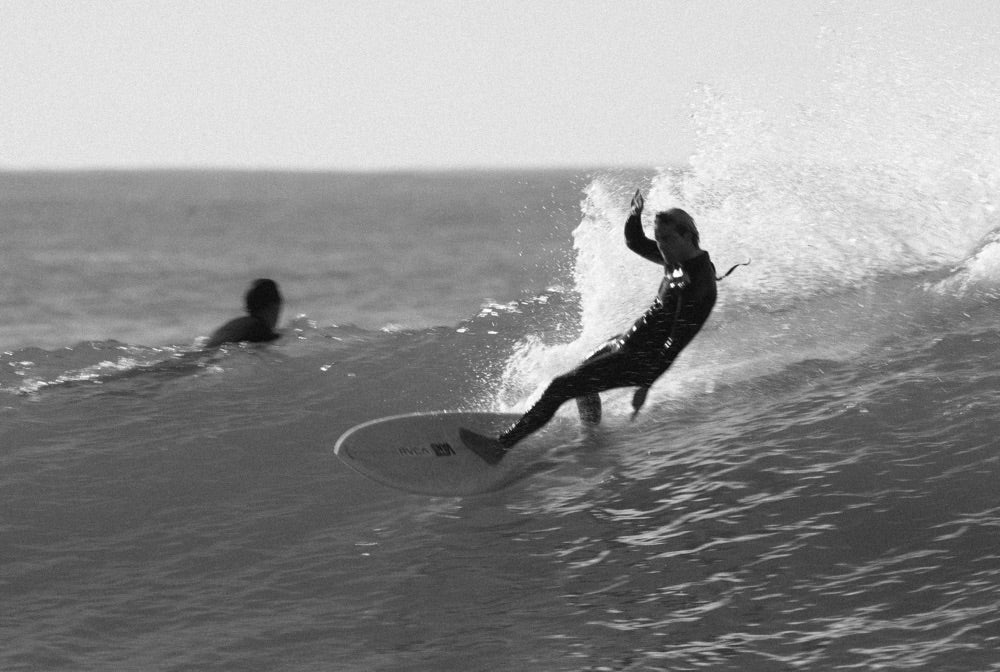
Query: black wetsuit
<point x="642" y="354"/>
<point x="249" y="328"/>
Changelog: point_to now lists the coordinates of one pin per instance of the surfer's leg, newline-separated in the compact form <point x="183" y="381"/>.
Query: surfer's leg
<point x="589" y="408"/>
<point x="589" y="405"/>
<point x="610" y="370"/>
<point x="492" y="450"/>
<point x="585" y="381"/>
<point x="559" y="391"/>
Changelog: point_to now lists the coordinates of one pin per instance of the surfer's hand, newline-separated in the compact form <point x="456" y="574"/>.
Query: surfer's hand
<point x="637" y="203"/>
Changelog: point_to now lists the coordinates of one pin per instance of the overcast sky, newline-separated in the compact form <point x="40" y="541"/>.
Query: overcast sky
<point x="376" y="84"/>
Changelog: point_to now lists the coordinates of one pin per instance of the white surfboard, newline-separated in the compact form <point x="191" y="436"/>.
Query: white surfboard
<point x="423" y="453"/>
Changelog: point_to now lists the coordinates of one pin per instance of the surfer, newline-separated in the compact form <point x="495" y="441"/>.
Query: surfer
<point x="642" y="354"/>
<point x="263" y="303"/>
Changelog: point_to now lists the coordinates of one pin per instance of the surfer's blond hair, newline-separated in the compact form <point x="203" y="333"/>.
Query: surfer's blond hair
<point x="682" y="221"/>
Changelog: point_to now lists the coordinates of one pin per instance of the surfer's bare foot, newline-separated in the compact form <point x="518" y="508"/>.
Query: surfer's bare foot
<point x="490" y="449"/>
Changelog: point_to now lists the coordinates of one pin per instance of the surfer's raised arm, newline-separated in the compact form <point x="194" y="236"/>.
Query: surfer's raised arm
<point x="635" y="238"/>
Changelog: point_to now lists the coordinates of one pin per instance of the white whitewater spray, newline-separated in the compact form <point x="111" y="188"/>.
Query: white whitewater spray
<point x="892" y="169"/>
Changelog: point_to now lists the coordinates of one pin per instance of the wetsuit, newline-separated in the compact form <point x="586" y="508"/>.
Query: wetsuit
<point x="250" y="328"/>
<point x="642" y="354"/>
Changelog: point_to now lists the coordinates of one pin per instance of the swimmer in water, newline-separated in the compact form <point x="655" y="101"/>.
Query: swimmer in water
<point x="263" y="303"/>
<point x="642" y="354"/>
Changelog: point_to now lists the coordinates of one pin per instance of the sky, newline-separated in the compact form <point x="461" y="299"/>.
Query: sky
<point x="400" y="84"/>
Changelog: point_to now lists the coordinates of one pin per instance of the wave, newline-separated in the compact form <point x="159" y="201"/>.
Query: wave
<point x="871" y="209"/>
<point x="865" y="209"/>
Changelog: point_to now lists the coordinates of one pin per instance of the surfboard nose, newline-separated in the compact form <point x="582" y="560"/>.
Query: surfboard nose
<point x="428" y="453"/>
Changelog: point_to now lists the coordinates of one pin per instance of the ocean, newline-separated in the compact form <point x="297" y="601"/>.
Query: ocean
<point x="813" y="485"/>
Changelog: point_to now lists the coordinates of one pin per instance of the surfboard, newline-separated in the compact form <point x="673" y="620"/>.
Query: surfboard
<point x="423" y="453"/>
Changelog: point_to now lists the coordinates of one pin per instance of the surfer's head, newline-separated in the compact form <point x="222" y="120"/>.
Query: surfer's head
<point x="263" y="300"/>
<point x="676" y="221"/>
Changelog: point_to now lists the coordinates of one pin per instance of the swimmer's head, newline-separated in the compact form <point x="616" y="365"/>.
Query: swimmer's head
<point x="263" y="294"/>
<point x="680" y="221"/>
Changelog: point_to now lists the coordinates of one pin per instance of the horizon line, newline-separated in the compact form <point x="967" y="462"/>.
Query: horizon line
<point x="166" y="168"/>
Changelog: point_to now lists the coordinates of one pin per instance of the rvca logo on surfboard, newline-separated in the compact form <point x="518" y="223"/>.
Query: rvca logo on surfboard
<point x="435" y="449"/>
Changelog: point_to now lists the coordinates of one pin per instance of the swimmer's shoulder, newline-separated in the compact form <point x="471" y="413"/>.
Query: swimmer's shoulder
<point x="246" y="328"/>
